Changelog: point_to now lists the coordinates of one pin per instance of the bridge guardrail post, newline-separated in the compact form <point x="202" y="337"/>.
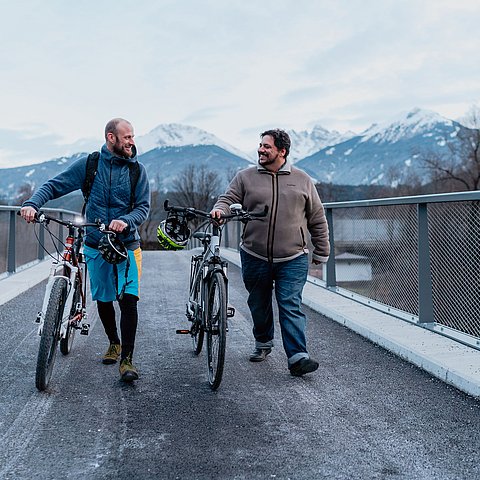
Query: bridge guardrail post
<point x="11" y="260"/>
<point x="425" y="292"/>
<point x="331" y="279"/>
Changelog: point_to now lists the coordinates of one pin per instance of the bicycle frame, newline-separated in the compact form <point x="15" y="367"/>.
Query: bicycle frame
<point x="67" y="265"/>
<point x="205" y="264"/>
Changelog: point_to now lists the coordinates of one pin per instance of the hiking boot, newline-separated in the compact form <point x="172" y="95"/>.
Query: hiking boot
<point x="128" y="372"/>
<point x="259" y="354"/>
<point x="112" y="354"/>
<point x="303" y="366"/>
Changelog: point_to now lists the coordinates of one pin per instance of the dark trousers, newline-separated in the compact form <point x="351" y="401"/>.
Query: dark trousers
<point x="287" y="279"/>
<point x="128" y="322"/>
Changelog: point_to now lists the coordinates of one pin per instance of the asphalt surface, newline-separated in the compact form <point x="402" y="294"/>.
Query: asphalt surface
<point x="365" y="414"/>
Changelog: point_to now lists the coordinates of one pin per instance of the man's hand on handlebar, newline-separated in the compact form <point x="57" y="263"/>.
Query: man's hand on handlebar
<point x="215" y="213"/>
<point x="117" y="226"/>
<point x="28" y="214"/>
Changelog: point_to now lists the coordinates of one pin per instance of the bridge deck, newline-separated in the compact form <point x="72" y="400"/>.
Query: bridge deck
<point x="364" y="414"/>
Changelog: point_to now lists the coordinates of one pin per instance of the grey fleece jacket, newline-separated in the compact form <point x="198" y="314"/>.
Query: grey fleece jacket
<point x="294" y="208"/>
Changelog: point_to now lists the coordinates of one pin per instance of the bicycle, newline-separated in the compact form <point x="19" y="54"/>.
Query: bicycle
<point x="207" y="306"/>
<point x="64" y="304"/>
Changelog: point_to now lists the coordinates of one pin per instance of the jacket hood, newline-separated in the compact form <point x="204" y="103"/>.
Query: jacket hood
<point x="112" y="158"/>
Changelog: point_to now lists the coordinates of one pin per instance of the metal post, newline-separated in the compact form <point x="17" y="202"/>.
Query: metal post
<point x="60" y="234"/>
<point x="11" y="263"/>
<point x="425" y="294"/>
<point x="225" y="235"/>
<point x="41" y="242"/>
<point x="331" y="279"/>
<point x="239" y="235"/>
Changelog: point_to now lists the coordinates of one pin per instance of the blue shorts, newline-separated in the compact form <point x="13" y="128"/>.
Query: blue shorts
<point x="103" y="276"/>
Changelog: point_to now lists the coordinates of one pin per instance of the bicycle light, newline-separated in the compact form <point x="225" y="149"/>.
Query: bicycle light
<point x="236" y="207"/>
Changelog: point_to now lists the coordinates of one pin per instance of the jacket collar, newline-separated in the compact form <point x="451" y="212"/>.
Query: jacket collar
<point x="112" y="158"/>
<point x="285" y="169"/>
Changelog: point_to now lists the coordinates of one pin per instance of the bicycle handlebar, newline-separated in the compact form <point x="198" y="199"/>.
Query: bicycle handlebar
<point x="41" y="217"/>
<point x="193" y="212"/>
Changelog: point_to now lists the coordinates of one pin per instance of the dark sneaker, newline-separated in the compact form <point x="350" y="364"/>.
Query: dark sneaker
<point x="112" y="354"/>
<point x="303" y="366"/>
<point x="259" y="354"/>
<point x="128" y="372"/>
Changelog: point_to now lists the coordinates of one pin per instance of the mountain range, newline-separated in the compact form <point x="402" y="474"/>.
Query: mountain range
<point x="382" y="154"/>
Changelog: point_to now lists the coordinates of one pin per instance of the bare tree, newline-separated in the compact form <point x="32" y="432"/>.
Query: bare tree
<point x="148" y="229"/>
<point x="196" y="187"/>
<point x="460" y="168"/>
<point x="25" y="191"/>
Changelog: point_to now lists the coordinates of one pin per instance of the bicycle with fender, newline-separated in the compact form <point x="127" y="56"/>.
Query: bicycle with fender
<point x="207" y="306"/>
<point x="64" y="305"/>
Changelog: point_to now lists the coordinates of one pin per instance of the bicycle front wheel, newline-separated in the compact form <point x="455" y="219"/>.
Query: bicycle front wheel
<point x="67" y="342"/>
<point x="50" y="333"/>
<point x="216" y="326"/>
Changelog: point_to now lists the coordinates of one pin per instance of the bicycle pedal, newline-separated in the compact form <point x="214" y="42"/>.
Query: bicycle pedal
<point x="230" y="312"/>
<point x="182" y="332"/>
<point x="85" y="329"/>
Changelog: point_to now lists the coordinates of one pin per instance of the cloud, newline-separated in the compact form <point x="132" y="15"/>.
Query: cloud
<point x="228" y="67"/>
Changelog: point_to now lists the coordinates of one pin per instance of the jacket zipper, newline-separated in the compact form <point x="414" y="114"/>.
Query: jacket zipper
<point x="273" y="217"/>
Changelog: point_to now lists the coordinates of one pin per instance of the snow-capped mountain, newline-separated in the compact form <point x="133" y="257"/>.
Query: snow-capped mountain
<point x="305" y="143"/>
<point x="177" y="135"/>
<point x="308" y="142"/>
<point x="384" y="151"/>
<point x="382" y="154"/>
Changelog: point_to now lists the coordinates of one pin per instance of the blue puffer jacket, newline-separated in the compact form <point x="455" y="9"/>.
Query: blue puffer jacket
<point x="109" y="198"/>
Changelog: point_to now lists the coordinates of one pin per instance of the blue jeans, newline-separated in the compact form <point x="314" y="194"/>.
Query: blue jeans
<point x="288" y="279"/>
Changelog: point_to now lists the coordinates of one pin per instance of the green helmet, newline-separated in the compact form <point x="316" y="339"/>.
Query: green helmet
<point x="173" y="233"/>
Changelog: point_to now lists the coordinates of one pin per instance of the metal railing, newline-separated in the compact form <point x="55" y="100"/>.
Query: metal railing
<point x="19" y="246"/>
<point x="417" y="258"/>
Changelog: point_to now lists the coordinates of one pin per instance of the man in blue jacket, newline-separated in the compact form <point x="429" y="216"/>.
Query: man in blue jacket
<point x="109" y="201"/>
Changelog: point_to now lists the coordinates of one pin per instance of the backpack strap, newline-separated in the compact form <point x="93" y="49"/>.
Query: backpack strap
<point x="134" y="171"/>
<point x="90" y="174"/>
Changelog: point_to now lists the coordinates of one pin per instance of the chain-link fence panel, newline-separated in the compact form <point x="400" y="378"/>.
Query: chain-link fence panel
<point x="454" y="234"/>
<point x="376" y="254"/>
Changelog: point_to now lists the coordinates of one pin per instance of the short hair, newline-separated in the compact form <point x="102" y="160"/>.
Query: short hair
<point x="280" y="139"/>
<point x="111" y="126"/>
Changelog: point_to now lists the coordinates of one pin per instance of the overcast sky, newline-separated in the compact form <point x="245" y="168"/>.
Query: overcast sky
<point x="231" y="67"/>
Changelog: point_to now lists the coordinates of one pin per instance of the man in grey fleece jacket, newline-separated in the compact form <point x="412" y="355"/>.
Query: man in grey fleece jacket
<point x="274" y="251"/>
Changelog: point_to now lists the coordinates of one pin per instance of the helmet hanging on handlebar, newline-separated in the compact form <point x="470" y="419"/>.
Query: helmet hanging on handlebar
<point x="112" y="249"/>
<point x="173" y="233"/>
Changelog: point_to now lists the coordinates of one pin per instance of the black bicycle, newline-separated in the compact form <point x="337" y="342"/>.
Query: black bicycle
<point x="207" y="306"/>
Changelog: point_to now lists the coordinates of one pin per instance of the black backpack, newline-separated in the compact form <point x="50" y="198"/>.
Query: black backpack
<point x="91" y="172"/>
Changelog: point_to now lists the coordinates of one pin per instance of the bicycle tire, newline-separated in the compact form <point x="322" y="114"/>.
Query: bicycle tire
<point x="216" y="328"/>
<point x="197" y="330"/>
<point x="67" y="342"/>
<point x="50" y="333"/>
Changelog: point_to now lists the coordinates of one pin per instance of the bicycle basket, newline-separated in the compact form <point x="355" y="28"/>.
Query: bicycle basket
<point x="173" y="233"/>
<point x="112" y="249"/>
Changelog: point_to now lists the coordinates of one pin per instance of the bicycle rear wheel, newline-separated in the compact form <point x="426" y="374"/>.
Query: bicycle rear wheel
<point x="197" y="331"/>
<point x="50" y="333"/>
<point x="216" y="326"/>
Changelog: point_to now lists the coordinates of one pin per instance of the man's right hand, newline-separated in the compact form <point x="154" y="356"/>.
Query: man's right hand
<point x="28" y="214"/>
<point x="215" y="213"/>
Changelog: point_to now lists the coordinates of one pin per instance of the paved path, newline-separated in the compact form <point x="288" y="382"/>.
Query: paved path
<point x="365" y="414"/>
